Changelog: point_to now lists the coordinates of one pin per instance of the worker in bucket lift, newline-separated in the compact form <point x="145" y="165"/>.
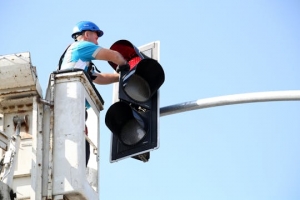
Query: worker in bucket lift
<point x="85" y="49"/>
<point x="80" y="54"/>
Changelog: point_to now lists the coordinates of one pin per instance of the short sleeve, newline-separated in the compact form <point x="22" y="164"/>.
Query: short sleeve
<point x="85" y="51"/>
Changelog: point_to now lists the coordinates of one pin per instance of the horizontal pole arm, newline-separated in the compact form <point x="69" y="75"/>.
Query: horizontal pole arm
<point x="291" y="95"/>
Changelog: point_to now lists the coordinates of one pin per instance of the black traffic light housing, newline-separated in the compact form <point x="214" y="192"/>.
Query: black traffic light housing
<point x="134" y="120"/>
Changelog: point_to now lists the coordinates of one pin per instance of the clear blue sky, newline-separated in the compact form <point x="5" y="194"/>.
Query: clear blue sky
<point x="208" y="49"/>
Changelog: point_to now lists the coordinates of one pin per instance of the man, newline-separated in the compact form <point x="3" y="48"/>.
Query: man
<point x="85" y="49"/>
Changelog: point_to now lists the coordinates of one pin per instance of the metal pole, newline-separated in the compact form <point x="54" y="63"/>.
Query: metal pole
<point x="290" y="95"/>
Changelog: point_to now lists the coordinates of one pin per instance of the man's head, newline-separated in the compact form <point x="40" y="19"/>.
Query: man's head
<point x="86" y="30"/>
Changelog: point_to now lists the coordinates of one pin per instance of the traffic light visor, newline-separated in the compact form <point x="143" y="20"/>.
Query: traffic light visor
<point x="128" y="51"/>
<point x="125" y="123"/>
<point x="144" y="80"/>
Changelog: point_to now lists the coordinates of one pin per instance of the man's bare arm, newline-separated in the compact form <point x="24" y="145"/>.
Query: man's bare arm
<point x="106" y="78"/>
<point x="110" y="55"/>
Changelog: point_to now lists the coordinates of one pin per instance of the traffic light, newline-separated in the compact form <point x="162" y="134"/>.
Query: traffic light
<point x="134" y="119"/>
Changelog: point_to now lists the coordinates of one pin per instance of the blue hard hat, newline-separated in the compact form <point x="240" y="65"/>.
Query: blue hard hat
<point x="85" y="26"/>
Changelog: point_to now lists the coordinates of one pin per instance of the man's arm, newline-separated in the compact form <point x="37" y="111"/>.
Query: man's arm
<point x="105" y="78"/>
<point x="110" y="55"/>
<point x="113" y="56"/>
